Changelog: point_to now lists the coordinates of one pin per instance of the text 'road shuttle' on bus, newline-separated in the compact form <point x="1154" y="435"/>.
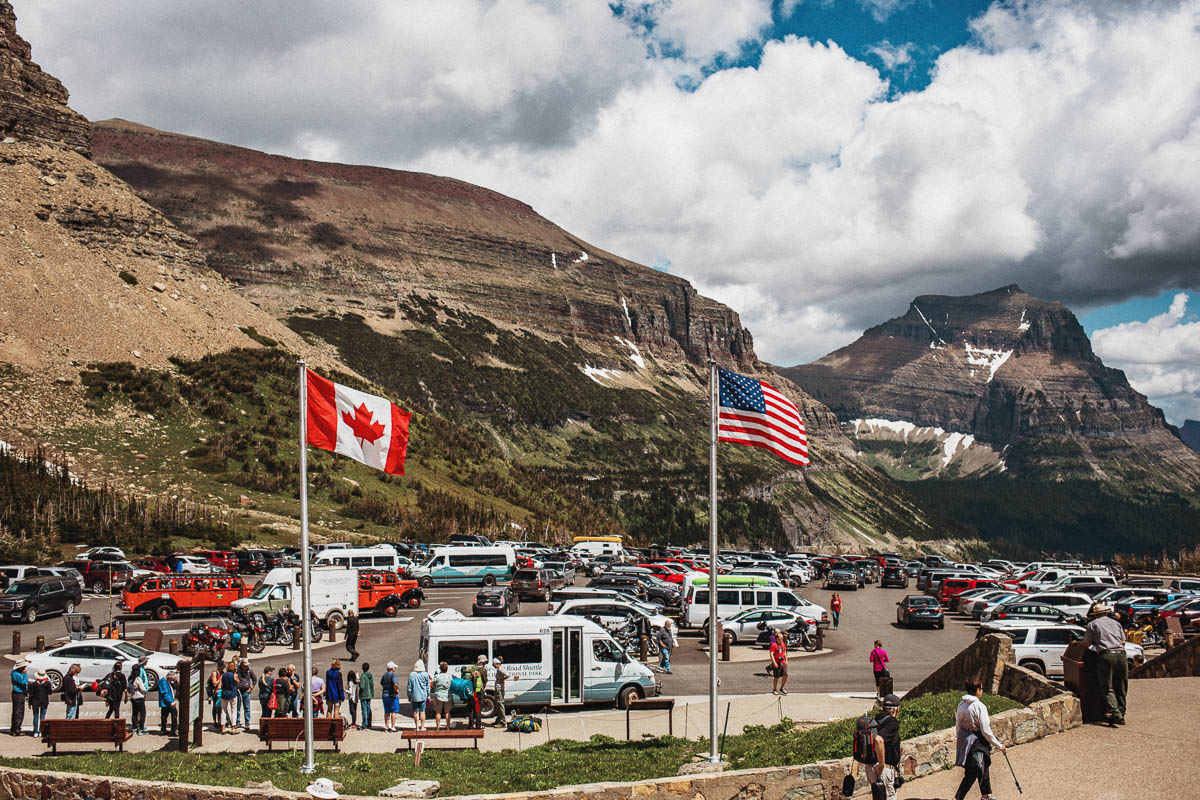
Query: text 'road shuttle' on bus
<point x="466" y="565"/>
<point x="553" y="660"/>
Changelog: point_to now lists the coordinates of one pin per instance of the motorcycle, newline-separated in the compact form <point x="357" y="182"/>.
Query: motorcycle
<point x="802" y="634"/>
<point x="247" y="629"/>
<point x="207" y="641"/>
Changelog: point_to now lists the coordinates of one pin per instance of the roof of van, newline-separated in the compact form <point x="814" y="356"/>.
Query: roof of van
<point x="440" y="624"/>
<point x="735" y="580"/>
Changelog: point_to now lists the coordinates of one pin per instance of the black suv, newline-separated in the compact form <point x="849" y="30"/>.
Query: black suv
<point x="646" y="588"/>
<point x="893" y="576"/>
<point x="252" y="562"/>
<point x="31" y="598"/>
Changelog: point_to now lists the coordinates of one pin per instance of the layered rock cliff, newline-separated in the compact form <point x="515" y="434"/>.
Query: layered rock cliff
<point x="33" y="105"/>
<point x="1009" y="370"/>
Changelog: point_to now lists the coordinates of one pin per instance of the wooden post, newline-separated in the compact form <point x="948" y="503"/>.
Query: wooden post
<point x="173" y="647"/>
<point x="16" y="647"/>
<point x="725" y="637"/>
<point x="820" y="638"/>
<point x="41" y="643"/>
<point x="333" y="630"/>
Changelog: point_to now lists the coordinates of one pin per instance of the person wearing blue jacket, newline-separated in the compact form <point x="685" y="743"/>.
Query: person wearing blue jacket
<point x="335" y="690"/>
<point x="20" y="691"/>
<point x="418" y="692"/>
<point x="166" y="704"/>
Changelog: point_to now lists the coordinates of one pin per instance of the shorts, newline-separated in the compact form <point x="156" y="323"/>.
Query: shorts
<point x="440" y="706"/>
<point x="391" y="704"/>
<point x="781" y="670"/>
<point x="418" y="705"/>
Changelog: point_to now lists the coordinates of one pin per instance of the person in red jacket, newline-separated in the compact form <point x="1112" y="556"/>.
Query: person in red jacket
<point x="835" y="608"/>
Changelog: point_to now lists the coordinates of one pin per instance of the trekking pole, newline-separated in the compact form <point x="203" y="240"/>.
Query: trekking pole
<point x="1010" y="769"/>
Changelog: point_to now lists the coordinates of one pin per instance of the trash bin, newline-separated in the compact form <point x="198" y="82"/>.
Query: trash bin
<point x="78" y="626"/>
<point x="1079" y="675"/>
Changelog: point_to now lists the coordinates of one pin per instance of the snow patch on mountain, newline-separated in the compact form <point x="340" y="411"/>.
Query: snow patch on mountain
<point x="906" y="429"/>
<point x="931" y="328"/>
<point x="1023" y="325"/>
<point x="986" y="357"/>
<point x="600" y="374"/>
<point x="628" y="318"/>
<point x="951" y="445"/>
<point x="582" y="257"/>
<point x="636" y="355"/>
<point x="554" y="260"/>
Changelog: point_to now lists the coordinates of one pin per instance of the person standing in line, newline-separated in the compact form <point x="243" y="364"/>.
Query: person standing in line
<point x="779" y="660"/>
<point x="295" y="686"/>
<point x="268" y="701"/>
<point x="418" y="693"/>
<point x="477" y="675"/>
<point x="389" y="691"/>
<point x="72" y="694"/>
<point x="352" y="634"/>
<point x="879" y="661"/>
<point x="39" y="699"/>
<point x="974" y="742"/>
<point x="1106" y="637"/>
<point x="441" y="695"/>
<point x="113" y="689"/>
<point x="335" y="690"/>
<point x="229" y="699"/>
<point x="137" y="698"/>
<point x="366" y="693"/>
<point x="352" y="697"/>
<point x="666" y="643"/>
<point x="246" y="679"/>
<point x="835" y="609"/>
<point x="500" y="681"/>
<point x="166" y="705"/>
<point x="20" y="694"/>
<point x="316" y="687"/>
<point x="213" y="690"/>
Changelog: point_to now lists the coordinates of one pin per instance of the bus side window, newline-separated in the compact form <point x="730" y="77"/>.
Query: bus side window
<point x="461" y="652"/>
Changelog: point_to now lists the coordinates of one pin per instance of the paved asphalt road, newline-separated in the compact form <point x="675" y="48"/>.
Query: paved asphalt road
<point x="867" y="614"/>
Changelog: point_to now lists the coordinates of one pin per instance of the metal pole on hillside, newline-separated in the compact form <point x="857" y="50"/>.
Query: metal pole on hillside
<point x="309" y="766"/>
<point x="713" y="626"/>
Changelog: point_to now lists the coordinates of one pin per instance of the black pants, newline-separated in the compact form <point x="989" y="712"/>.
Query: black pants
<point x="351" y="641"/>
<point x="18" y="713"/>
<point x="138" y="713"/>
<point x="978" y="768"/>
<point x="114" y="708"/>
<point x="168" y="713"/>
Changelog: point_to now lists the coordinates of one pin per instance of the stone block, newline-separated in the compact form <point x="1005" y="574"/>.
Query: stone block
<point x="413" y="788"/>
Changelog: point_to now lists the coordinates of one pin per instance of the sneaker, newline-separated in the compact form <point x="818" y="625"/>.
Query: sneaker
<point x="1119" y="720"/>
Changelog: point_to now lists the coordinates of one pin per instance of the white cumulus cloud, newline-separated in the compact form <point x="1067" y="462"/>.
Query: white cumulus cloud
<point x="1160" y="356"/>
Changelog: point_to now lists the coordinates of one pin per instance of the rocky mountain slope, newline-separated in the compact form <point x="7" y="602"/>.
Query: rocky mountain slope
<point x="1005" y="370"/>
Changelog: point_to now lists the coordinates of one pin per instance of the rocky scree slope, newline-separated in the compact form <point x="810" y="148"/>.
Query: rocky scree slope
<point x="464" y="302"/>
<point x="1007" y="370"/>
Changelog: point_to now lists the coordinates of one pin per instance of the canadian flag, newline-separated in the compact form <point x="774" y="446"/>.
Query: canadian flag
<point x="362" y="426"/>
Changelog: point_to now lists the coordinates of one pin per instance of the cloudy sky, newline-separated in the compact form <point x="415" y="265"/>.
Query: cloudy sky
<point x="813" y="163"/>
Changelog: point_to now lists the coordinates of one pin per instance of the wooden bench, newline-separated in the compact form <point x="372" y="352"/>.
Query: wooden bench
<point x="91" y="731"/>
<point x="475" y="734"/>
<point x="291" y="729"/>
<point x="652" y="704"/>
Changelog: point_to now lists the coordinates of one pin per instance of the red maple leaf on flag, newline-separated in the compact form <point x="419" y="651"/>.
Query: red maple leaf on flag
<point x="363" y="424"/>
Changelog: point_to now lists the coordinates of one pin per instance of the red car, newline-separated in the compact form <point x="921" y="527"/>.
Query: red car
<point x="669" y="572"/>
<point x="157" y="564"/>
<point x="953" y="586"/>
<point x="1188" y="614"/>
<point x="225" y="559"/>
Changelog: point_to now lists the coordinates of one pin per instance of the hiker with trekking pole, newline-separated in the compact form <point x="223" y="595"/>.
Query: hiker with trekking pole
<point x="975" y="742"/>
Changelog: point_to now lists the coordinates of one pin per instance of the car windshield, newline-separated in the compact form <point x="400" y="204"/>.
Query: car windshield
<point x="262" y="590"/>
<point x="22" y="587"/>
<point x="1171" y="606"/>
<point x="922" y="601"/>
<point x="130" y="649"/>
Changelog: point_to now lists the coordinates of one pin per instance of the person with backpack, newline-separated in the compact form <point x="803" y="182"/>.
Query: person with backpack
<point x="39" y="699"/>
<point x="366" y="693"/>
<point x="870" y="750"/>
<point x="112" y="689"/>
<point x="246" y="680"/>
<point x="477" y="675"/>
<point x="389" y="692"/>
<point x="72" y="693"/>
<point x="442" y="705"/>
<point x="779" y="662"/>
<point x="835" y="609"/>
<point x="974" y="742"/>
<point x="889" y="728"/>
<point x="166" y="706"/>
<point x="268" y="700"/>
<point x="879" y="661"/>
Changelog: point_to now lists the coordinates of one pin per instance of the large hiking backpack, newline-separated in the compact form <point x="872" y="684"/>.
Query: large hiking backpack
<point x="462" y="688"/>
<point x="864" y="740"/>
<point x="525" y="724"/>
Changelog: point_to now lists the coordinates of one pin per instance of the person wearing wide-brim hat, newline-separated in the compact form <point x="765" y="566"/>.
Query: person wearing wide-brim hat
<point x="322" y="788"/>
<point x="20" y="691"/>
<point x="39" y="699"/>
<point x="1107" y="638"/>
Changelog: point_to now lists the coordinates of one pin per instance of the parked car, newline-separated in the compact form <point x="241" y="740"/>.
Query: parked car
<point x="156" y="563"/>
<point x="103" y="554"/>
<point x="977" y="605"/>
<point x="611" y="612"/>
<point x="497" y="600"/>
<point x="565" y="567"/>
<point x="919" y="609"/>
<point x="1026" y="609"/>
<point x="18" y="572"/>
<point x="1073" y="603"/>
<point x="30" y="598"/>
<point x="195" y="565"/>
<point x="95" y="658"/>
<point x="225" y="559"/>
<point x="1040" y="646"/>
<point x="537" y="583"/>
<point x="868" y="568"/>
<point x="1185" y="585"/>
<point x="251" y="562"/>
<point x="1144" y="583"/>
<point x="893" y="576"/>
<point x="743" y="626"/>
<point x="102" y="577"/>
<point x="845" y="577"/>
<point x="67" y="573"/>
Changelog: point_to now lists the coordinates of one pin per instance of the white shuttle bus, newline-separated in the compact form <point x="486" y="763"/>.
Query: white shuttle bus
<point x="377" y="557"/>
<point x="455" y="565"/>
<point x="560" y="661"/>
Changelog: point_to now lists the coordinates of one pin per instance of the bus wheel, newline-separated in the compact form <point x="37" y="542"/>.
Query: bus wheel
<point x="628" y="695"/>
<point x="487" y="705"/>
<point x="163" y="612"/>
<point x="489" y="580"/>
<point x="426" y="582"/>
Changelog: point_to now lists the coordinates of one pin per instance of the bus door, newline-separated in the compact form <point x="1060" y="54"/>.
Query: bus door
<point x="566" y="667"/>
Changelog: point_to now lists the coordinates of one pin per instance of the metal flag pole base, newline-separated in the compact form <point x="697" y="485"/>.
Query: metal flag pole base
<point x="1010" y="769"/>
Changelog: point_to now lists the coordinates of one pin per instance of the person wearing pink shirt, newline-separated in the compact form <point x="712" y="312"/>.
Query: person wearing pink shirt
<point x="879" y="661"/>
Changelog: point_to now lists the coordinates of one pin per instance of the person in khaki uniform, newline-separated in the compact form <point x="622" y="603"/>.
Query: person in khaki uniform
<point x="500" y="680"/>
<point x="1106" y="636"/>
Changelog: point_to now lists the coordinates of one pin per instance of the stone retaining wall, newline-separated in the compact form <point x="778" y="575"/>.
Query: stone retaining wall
<point x="821" y="781"/>
<point x="985" y="660"/>
<point x="1181" y="661"/>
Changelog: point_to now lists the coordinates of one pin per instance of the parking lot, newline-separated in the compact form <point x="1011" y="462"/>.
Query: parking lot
<point x="867" y="614"/>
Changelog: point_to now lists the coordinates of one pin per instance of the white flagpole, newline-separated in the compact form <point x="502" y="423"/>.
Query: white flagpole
<point x="714" y="745"/>
<point x="309" y="766"/>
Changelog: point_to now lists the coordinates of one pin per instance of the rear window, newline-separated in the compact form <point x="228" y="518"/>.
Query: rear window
<point x="525" y="575"/>
<point x="922" y="601"/>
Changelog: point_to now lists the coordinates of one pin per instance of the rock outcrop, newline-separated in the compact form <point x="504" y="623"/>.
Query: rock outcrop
<point x="1190" y="433"/>
<point x="33" y="105"/>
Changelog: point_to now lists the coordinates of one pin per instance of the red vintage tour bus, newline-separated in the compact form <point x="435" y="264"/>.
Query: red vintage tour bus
<point x="163" y="596"/>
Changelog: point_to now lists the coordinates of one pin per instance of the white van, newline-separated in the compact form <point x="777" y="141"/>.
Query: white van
<point x="734" y="599"/>
<point x="449" y="566"/>
<point x="334" y="592"/>
<point x="377" y="557"/>
<point x="593" y="549"/>
<point x="555" y="660"/>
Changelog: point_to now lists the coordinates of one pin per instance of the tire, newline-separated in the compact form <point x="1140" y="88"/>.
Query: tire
<point x="151" y="681"/>
<point x="389" y="610"/>
<point x="55" y="678"/>
<point x="98" y="588"/>
<point x="1033" y="666"/>
<point x="335" y="619"/>
<point x="257" y="643"/>
<point x="426" y="582"/>
<point x="810" y="645"/>
<point x="31" y="615"/>
<point x="69" y="608"/>
<point x="732" y="637"/>
<point x="941" y="626"/>
<point x="489" y="580"/>
<point x="163" y="612"/>
<point x="627" y="695"/>
<point x="317" y="636"/>
<point x="546" y="595"/>
<point x="487" y="705"/>
<point x="285" y="638"/>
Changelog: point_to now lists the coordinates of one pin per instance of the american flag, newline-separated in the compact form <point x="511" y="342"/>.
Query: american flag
<point x="753" y="412"/>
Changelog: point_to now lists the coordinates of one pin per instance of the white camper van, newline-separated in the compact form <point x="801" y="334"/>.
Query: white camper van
<point x="554" y="660"/>
<point x="376" y="557"/>
<point x="334" y="592"/>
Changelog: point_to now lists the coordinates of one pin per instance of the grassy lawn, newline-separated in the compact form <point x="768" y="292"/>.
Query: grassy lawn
<point x="558" y="763"/>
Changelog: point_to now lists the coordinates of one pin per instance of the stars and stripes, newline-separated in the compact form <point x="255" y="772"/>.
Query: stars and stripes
<point x="754" y="413"/>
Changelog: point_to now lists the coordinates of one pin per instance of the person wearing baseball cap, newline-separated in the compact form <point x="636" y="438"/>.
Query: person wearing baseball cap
<point x="889" y="729"/>
<point x="1106" y="637"/>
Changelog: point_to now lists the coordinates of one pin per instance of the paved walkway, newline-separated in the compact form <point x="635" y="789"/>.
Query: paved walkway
<point x="1154" y="755"/>
<point x="690" y="721"/>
